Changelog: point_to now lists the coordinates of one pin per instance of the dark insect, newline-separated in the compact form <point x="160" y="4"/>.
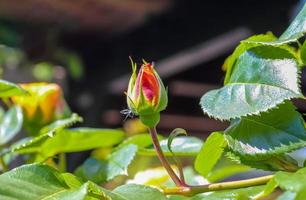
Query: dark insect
<point x="127" y="113"/>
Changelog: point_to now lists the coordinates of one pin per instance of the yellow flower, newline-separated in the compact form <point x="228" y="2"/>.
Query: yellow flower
<point x="44" y="100"/>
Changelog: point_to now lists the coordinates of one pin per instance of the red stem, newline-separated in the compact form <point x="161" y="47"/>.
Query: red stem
<point x="163" y="159"/>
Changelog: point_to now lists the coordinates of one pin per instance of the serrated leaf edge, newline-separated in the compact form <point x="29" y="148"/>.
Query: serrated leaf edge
<point x="256" y="113"/>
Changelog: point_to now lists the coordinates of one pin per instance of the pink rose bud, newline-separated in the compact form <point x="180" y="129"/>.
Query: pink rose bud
<point x="146" y="94"/>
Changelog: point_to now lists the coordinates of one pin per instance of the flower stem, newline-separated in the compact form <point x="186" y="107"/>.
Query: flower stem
<point x="62" y="164"/>
<point x="163" y="159"/>
<point x="193" y="190"/>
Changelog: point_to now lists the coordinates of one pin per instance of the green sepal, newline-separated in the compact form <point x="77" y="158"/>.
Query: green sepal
<point x="150" y="120"/>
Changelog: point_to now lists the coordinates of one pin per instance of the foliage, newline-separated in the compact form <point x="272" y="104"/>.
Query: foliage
<point x="262" y="77"/>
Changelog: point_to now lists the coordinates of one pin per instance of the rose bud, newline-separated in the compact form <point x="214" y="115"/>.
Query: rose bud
<point x="146" y="94"/>
<point x="43" y="104"/>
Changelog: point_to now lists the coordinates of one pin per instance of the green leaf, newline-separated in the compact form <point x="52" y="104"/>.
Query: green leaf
<point x="287" y="196"/>
<point x="236" y="194"/>
<point x="277" y="132"/>
<point x="273" y="163"/>
<point x="31" y="145"/>
<point x="293" y="183"/>
<point x="303" y="53"/>
<point x="70" y="140"/>
<point x="116" y="164"/>
<point x="139" y="192"/>
<point x="176" y="132"/>
<point x="9" y="156"/>
<point x="37" y="181"/>
<point x="75" y="66"/>
<point x="43" y="71"/>
<point x="225" y="168"/>
<point x="141" y="140"/>
<point x="177" y="197"/>
<point x="210" y="153"/>
<point x="8" y="89"/>
<point x="262" y="78"/>
<point x="159" y="178"/>
<point x="242" y="47"/>
<point x="268" y="189"/>
<point x="11" y="124"/>
<point x="191" y="177"/>
<point x="295" y="31"/>
<point x="181" y="146"/>
<point x="61" y="124"/>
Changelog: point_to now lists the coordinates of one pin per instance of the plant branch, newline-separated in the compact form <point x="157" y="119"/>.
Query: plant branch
<point x="180" y="169"/>
<point x="163" y="159"/>
<point x="62" y="165"/>
<point x="193" y="190"/>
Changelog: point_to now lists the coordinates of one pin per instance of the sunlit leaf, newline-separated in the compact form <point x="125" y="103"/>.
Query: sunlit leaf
<point x="227" y="170"/>
<point x="293" y="183"/>
<point x="241" y="48"/>
<point x="176" y="132"/>
<point x="8" y="89"/>
<point x="268" y="189"/>
<point x="139" y="192"/>
<point x="210" y="153"/>
<point x="37" y="181"/>
<point x="279" y="131"/>
<point x="158" y="177"/>
<point x="10" y="124"/>
<point x="303" y="53"/>
<point x="141" y="140"/>
<point x="181" y="146"/>
<point x="262" y="78"/>
<point x="70" y="140"/>
<point x="287" y="196"/>
<point x="104" y="170"/>
<point x="61" y="124"/>
<point x="236" y="194"/>
<point x="295" y="31"/>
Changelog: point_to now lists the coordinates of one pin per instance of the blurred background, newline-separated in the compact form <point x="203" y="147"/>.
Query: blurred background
<point x="84" y="45"/>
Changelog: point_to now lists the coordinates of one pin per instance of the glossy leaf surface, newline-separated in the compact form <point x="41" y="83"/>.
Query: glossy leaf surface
<point x="139" y="192"/>
<point x="181" y="146"/>
<point x="37" y="181"/>
<point x="262" y="78"/>
<point x="8" y="89"/>
<point x="293" y="183"/>
<point x="11" y="124"/>
<point x="116" y="164"/>
<point x="279" y="131"/>
<point x="295" y="31"/>
<point x="70" y="140"/>
<point x="210" y="153"/>
<point x="236" y="194"/>
<point x="241" y="48"/>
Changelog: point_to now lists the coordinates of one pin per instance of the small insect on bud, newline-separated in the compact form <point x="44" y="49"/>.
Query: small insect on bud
<point x="146" y="94"/>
